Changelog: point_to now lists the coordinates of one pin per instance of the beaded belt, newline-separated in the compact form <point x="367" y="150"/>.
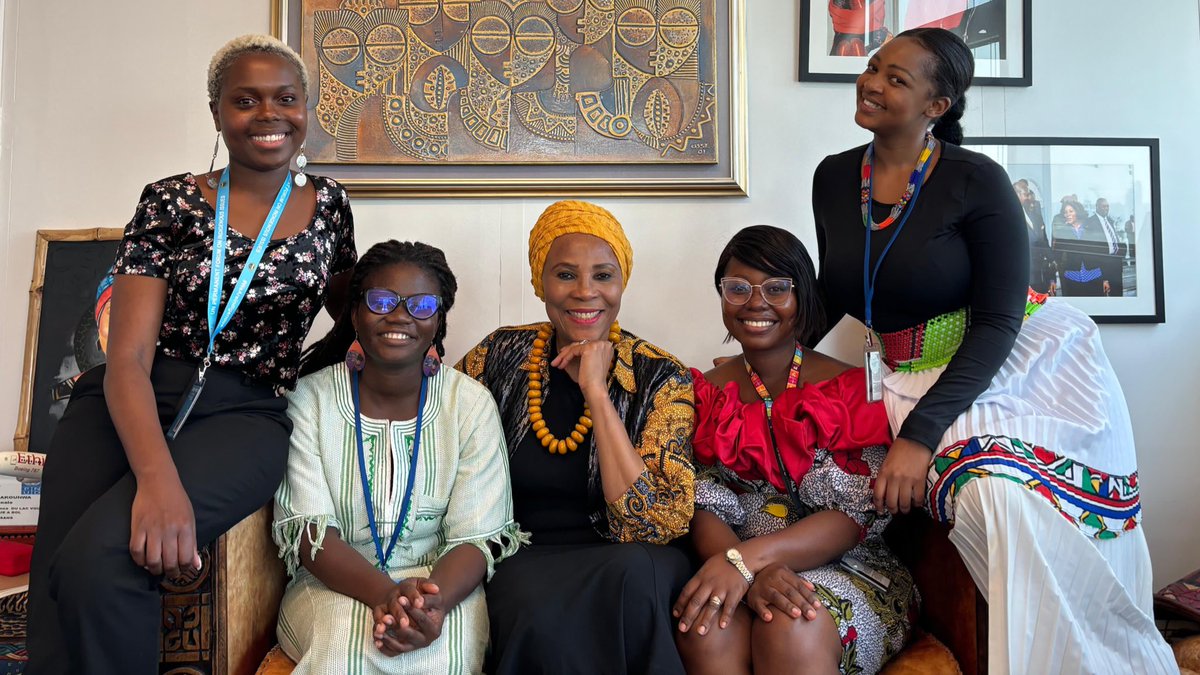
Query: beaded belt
<point x="934" y="343"/>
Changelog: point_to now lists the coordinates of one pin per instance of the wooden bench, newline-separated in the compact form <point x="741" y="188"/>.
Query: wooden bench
<point x="243" y="593"/>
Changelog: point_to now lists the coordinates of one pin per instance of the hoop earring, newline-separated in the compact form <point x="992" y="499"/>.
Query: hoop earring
<point x="212" y="180"/>
<point x="301" y="161"/>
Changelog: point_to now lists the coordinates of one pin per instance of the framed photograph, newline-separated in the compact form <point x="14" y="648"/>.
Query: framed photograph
<point x="1092" y="210"/>
<point x="475" y="98"/>
<point x="838" y="36"/>
<point x="66" y="335"/>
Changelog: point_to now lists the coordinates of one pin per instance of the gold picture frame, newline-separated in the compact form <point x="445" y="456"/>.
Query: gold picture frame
<point x="728" y="176"/>
<point x="31" y="374"/>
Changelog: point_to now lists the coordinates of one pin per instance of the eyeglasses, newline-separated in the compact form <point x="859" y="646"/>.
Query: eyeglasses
<point x="384" y="301"/>
<point x="737" y="291"/>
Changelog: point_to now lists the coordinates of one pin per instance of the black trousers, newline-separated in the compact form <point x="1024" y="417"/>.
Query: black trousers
<point x="91" y="609"/>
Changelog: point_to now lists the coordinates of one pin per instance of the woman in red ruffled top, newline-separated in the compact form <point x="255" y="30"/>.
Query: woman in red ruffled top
<point x="787" y="449"/>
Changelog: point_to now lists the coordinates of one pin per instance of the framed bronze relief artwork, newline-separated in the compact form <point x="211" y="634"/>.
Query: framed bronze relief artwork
<point x="524" y="97"/>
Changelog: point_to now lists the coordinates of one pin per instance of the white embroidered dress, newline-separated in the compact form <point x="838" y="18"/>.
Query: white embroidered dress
<point x="1062" y="597"/>
<point x="461" y="495"/>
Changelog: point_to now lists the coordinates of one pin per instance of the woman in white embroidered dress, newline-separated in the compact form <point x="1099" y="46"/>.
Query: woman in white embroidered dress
<point x="401" y="445"/>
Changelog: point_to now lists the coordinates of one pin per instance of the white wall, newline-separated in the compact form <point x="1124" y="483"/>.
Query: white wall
<point x="109" y="96"/>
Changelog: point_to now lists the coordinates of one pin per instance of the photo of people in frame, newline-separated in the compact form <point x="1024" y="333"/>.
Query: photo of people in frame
<point x="859" y="27"/>
<point x="837" y="37"/>
<point x="1085" y="250"/>
<point x="1092" y="211"/>
<point x="72" y="328"/>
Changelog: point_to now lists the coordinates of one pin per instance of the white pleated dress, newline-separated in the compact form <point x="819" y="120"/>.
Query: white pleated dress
<point x="1039" y="478"/>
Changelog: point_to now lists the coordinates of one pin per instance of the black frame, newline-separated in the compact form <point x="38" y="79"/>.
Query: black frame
<point x="1151" y="145"/>
<point x="1025" y="79"/>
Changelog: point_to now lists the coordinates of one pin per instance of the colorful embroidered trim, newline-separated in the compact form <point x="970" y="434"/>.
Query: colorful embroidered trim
<point x="898" y="207"/>
<point x="1101" y="505"/>
<point x="935" y="342"/>
<point x="1034" y="301"/>
<point x="924" y="346"/>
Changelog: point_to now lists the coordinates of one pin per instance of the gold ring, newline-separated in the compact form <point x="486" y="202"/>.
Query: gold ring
<point x="715" y="601"/>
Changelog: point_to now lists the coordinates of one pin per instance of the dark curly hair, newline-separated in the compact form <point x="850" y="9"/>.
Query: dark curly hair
<point x="779" y="253"/>
<point x="332" y="348"/>
<point x="953" y="68"/>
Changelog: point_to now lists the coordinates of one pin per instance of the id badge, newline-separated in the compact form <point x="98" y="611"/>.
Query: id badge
<point x="873" y="364"/>
<point x="186" y="404"/>
<point x="866" y="572"/>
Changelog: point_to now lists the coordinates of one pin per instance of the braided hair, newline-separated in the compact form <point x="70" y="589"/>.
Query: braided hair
<point x="332" y="348"/>
<point x="953" y="66"/>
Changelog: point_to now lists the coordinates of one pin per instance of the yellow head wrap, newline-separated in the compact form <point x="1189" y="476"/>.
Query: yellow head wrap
<point x="570" y="217"/>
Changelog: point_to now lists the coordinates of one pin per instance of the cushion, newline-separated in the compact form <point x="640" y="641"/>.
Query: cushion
<point x="1180" y="598"/>
<point x="276" y="663"/>
<point x="924" y="655"/>
<point x="1187" y="652"/>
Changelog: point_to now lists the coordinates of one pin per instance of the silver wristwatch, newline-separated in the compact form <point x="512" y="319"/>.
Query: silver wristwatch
<point x="734" y="557"/>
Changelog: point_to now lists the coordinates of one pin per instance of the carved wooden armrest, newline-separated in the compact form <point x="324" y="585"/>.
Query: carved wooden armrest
<point x="222" y="620"/>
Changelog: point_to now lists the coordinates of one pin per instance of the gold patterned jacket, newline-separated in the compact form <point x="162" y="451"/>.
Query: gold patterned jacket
<point x="652" y="393"/>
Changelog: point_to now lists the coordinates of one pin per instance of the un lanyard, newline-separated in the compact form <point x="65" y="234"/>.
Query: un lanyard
<point x="406" y="501"/>
<point x="870" y="274"/>
<point x="872" y="358"/>
<point x="217" y="279"/>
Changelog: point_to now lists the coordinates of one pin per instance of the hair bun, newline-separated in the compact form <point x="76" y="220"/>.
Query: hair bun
<point x="948" y="128"/>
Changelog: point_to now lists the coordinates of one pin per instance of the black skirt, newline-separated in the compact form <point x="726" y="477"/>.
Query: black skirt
<point x="586" y="608"/>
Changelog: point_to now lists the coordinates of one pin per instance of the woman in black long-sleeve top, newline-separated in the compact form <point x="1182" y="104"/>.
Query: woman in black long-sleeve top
<point x="983" y="380"/>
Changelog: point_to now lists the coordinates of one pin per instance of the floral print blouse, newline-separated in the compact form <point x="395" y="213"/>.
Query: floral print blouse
<point x="170" y="237"/>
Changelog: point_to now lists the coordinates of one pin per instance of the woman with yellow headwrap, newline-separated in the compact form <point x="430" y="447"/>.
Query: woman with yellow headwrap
<point x="598" y="424"/>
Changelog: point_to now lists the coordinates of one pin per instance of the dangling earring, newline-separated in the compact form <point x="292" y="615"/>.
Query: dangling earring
<point x="432" y="363"/>
<point x="355" y="359"/>
<point x="212" y="180"/>
<point x="301" y="161"/>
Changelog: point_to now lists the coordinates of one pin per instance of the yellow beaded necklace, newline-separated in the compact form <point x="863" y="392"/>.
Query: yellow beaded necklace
<point x="534" y="369"/>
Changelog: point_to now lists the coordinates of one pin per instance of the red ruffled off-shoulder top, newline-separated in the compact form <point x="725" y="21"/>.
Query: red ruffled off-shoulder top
<point x="833" y="414"/>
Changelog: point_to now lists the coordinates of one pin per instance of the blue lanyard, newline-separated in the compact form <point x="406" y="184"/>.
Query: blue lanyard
<point x="869" y="274"/>
<point x="217" y="273"/>
<point x="381" y="555"/>
<point x="216" y="280"/>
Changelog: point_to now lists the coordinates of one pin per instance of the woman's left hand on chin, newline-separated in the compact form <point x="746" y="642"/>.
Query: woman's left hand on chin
<point x="588" y="363"/>
<point x="715" y="579"/>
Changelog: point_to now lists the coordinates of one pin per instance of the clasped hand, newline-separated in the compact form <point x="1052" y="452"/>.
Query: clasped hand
<point x="775" y="586"/>
<point x="409" y="617"/>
